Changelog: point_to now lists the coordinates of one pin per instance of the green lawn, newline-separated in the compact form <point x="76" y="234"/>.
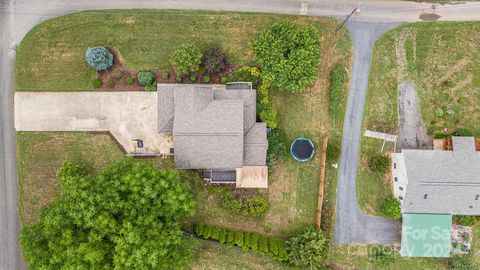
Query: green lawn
<point x="372" y="187"/>
<point x="211" y="255"/>
<point x="442" y="59"/>
<point x="51" y="56"/>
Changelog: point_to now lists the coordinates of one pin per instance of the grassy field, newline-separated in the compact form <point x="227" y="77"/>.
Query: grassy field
<point x="211" y="255"/>
<point x="51" y="56"/>
<point x="372" y="188"/>
<point x="442" y="59"/>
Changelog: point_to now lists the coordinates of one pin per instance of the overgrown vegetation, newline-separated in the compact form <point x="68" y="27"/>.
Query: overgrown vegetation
<point x="254" y="206"/>
<point x="100" y="222"/>
<point x="248" y="241"/>
<point x="277" y="146"/>
<point x="288" y="55"/>
<point x="333" y="151"/>
<point x="379" y="163"/>
<point x="390" y="208"/>
<point x="465" y="220"/>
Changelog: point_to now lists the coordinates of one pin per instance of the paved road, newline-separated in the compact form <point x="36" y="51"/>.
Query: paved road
<point x="352" y="225"/>
<point x="16" y="20"/>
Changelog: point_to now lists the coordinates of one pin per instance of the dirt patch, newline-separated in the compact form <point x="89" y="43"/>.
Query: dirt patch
<point x="459" y="66"/>
<point x="429" y="17"/>
<point x="413" y="134"/>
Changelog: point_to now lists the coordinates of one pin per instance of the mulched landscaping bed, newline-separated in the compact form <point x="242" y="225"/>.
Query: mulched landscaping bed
<point x="118" y="74"/>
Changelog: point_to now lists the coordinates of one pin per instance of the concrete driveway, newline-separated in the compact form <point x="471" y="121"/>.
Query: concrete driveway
<point x="127" y="115"/>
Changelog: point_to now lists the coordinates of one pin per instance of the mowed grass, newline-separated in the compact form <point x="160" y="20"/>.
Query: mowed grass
<point x="442" y="59"/>
<point x="211" y="255"/>
<point x="372" y="187"/>
<point x="51" y="56"/>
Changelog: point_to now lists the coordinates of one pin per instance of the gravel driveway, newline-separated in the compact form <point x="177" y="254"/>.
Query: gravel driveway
<point x="412" y="133"/>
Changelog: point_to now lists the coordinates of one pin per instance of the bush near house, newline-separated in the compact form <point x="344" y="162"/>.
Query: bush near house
<point x="269" y="116"/>
<point x="288" y="55"/>
<point x="307" y="250"/>
<point x="206" y="79"/>
<point x="185" y="59"/>
<point x="462" y="132"/>
<point x="379" y="163"/>
<point x="248" y="74"/>
<point x="462" y="262"/>
<point x="146" y="78"/>
<point x="129" y="80"/>
<point x="271" y="246"/>
<point x="99" y="58"/>
<point x="465" y="220"/>
<point x="98" y="221"/>
<point x="390" y="208"/>
<point x="213" y="60"/>
<point x="277" y="146"/>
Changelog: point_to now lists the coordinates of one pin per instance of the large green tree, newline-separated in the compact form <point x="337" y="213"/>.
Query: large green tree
<point x="126" y="217"/>
<point x="288" y="55"/>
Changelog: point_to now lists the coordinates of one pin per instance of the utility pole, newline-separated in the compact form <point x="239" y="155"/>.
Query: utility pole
<point x="355" y="11"/>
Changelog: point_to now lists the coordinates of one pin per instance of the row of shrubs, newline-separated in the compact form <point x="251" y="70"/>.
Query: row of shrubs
<point x="271" y="246"/>
<point x="337" y="82"/>
<point x="255" y="206"/>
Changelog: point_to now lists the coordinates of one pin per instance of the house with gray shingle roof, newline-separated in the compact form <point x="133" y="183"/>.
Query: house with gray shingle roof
<point x="434" y="185"/>
<point x="215" y="129"/>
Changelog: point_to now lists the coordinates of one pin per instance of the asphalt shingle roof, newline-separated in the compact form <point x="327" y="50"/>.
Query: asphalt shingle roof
<point x="443" y="182"/>
<point x="212" y="129"/>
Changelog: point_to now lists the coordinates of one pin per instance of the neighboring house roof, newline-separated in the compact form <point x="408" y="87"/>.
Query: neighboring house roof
<point x="426" y="235"/>
<point x="443" y="182"/>
<point x="212" y="129"/>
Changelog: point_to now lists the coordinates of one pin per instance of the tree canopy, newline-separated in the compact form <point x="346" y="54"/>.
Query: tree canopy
<point x="126" y="217"/>
<point x="288" y="55"/>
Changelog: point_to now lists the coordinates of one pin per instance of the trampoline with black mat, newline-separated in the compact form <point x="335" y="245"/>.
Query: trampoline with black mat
<point x="302" y="149"/>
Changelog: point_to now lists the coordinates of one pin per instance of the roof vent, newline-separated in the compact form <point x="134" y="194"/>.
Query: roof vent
<point x="471" y="206"/>
<point x="425" y="196"/>
<point x="476" y="197"/>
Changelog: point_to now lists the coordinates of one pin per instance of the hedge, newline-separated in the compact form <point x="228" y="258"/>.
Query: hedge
<point x="337" y="80"/>
<point x="271" y="246"/>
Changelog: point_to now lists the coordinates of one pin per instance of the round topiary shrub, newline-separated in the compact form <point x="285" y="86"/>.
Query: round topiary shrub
<point x="193" y="77"/>
<point x="129" y="80"/>
<point x="390" y="208"/>
<point x="97" y="83"/>
<point x="165" y="75"/>
<point x="223" y="80"/>
<point x="206" y="79"/>
<point x="110" y="84"/>
<point x="146" y="78"/>
<point x="99" y="58"/>
<point x="379" y="163"/>
<point x="118" y="74"/>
